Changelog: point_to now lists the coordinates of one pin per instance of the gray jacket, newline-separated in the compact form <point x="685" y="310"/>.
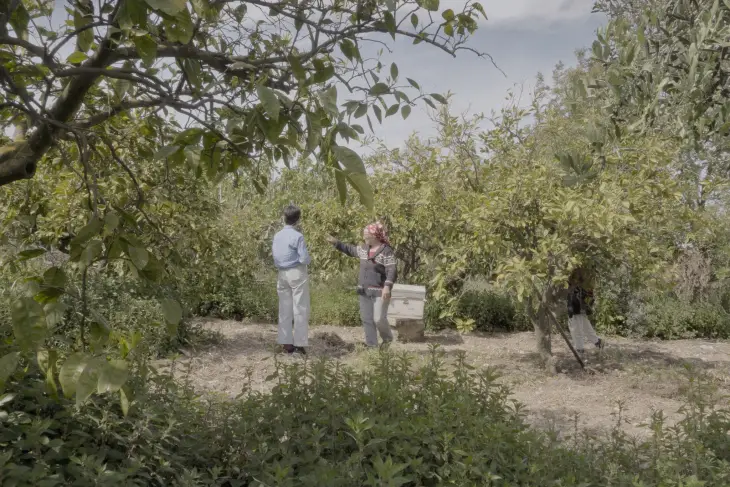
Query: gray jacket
<point x="377" y="272"/>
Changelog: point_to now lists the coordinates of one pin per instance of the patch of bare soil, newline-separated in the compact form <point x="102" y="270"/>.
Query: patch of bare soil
<point x="625" y="384"/>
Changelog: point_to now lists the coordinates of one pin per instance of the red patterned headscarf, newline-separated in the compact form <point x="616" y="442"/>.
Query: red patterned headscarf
<point x="378" y="231"/>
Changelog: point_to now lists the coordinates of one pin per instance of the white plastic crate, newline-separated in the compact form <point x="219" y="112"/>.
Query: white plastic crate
<point x="407" y="302"/>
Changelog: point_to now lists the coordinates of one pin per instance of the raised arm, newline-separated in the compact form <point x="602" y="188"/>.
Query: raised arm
<point x="345" y="248"/>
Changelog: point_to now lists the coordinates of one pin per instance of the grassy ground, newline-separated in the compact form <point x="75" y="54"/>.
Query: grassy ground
<point x="626" y="382"/>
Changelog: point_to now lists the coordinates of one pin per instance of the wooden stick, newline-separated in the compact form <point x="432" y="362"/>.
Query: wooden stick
<point x="570" y="345"/>
<point x="560" y="330"/>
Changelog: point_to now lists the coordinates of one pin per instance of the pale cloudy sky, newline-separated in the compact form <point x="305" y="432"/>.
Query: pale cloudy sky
<point x="523" y="36"/>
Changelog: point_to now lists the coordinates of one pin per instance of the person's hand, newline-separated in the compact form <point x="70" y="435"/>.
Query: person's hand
<point x="331" y="239"/>
<point x="386" y="293"/>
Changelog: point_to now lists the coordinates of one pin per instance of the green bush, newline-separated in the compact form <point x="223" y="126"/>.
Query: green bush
<point x="335" y="306"/>
<point x="330" y="305"/>
<point x="325" y="424"/>
<point x="490" y="310"/>
<point x="670" y="318"/>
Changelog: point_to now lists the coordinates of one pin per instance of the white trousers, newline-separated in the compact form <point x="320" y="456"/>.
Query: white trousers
<point x="292" y="286"/>
<point x="581" y="330"/>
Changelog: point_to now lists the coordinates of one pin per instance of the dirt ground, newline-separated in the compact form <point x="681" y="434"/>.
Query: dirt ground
<point x="636" y="377"/>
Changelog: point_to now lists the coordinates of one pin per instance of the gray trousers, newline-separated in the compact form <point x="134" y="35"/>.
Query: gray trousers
<point x="374" y="316"/>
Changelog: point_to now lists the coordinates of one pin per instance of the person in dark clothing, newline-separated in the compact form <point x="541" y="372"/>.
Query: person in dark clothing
<point x="375" y="281"/>
<point x="579" y="309"/>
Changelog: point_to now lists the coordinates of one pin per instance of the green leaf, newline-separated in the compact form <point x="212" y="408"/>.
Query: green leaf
<point x="54" y="282"/>
<point x="166" y="152"/>
<point x="362" y="109"/>
<point x="77" y="57"/>
<point x="392" y="110"/>
<point x="349" y="159"/>
<point x="85" y="37"/>
<point x="19" y="21"/>
<point x="181" y="28"/>
<point x="87" y="232"/>
<point x="349" y="49"/>
<point x="8" y="364"/>
<point x="54" y="277"/>
<point x="88" y="380"/>
<point x="70" y="372"/>
<point x="341" y="182"/>
<point x="91" y="252"/>
<point x="125" y="399"/>
<point x="328" y="98"/>
<point x="270" y="101"/>
<point x="414" y="20"/>
<point x="438" y="98"/>
<point x="113" y="376"/>
<point x="414" y="84"/>
<point x="449" y="29"/>
<point x="379" y="89"/>
<point x="314" y="131"/>
<point x="378" y="113"/>
<point x="430" y="5"/>
<point x="355" y="174"/>
<point x="54" y="312"/>
<point x="296" y="66"/>
<point x="172" y="311"/>
<point x="362" y="185"/>
<point x="29" y="324"/>
<point x="394" y="71"/>
<point x="140" y="257"/>
<point x="30" y="254"/>
<point x="111" y="222"/>
<point x="170" y="7"/>
<point x="448" y="15"/>
<point x="405" y="111"/>
<point x="147" y="49"/>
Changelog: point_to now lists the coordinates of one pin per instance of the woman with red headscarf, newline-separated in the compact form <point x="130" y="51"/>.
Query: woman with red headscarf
<point x="375" y="281"/>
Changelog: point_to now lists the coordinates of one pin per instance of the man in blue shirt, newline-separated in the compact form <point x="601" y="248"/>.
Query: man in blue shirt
<point x="291" y="259"/>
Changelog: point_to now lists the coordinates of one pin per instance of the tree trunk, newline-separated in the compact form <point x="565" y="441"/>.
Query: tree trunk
<point x="543" y="336"/>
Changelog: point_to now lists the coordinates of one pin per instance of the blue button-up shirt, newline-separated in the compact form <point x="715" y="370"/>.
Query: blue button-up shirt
<point x="289" y="249"/>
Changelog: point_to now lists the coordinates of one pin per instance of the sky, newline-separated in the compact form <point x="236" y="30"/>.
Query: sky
<point x="523" y="36"/>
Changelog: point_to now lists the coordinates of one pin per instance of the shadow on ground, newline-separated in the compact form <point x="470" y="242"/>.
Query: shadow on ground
<point x="620" y="357"/>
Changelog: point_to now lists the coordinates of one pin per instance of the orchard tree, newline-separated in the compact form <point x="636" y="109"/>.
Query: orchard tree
<point x="562" y="193"/>
<point x="257" y="79"/>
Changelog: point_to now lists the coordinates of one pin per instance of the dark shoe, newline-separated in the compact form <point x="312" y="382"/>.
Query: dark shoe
<point x="600" y="344"/>
<point x="288" y="348"/>
<point x="385" y="345"/>
<point x="299" y="350"/>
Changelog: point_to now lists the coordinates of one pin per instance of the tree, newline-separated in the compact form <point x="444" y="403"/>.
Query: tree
<point x="256" y="79"/>
<point x="563" y="193"/>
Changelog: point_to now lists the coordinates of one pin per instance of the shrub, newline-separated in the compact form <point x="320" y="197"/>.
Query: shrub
<point x="490" y="311"/>
<point x="669" y="318"/>
<point x="334" y="305"/>
<point x="325" y="424"/>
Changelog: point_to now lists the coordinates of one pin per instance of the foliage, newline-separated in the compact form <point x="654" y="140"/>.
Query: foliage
<point x="478" y="308"/>
<point x="256" y="79"/>
<point x="322" y="424"/>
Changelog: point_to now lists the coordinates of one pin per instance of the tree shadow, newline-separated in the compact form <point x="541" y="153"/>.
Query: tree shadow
<point x="443" y="339"/>
<point x="619" y="357"/>
<point x="257" y="341"/>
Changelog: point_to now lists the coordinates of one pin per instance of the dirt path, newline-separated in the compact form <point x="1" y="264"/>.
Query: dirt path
<point x="641" y="375"/>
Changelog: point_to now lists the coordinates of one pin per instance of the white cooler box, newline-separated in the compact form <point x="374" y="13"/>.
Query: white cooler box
<point x="407" y="302"/>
